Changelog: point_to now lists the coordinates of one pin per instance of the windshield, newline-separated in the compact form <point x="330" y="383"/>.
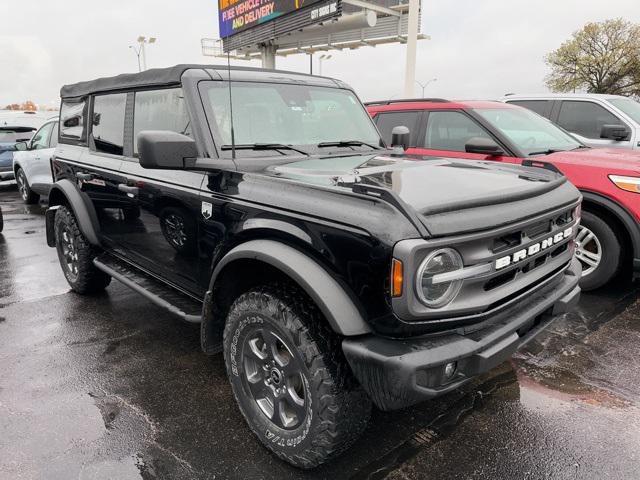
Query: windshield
<point x="302" y="116"/>
<point x="628" y="106"/>
<point x="13" y="135"/>
<point x="530" y="132"/>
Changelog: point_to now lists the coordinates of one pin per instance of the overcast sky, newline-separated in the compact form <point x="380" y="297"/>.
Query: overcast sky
<point x="479" y="48"/>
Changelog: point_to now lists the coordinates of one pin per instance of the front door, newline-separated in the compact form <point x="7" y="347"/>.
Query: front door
<point x="447" y="133"/>
<point x="163" y="239"/>
<point x="585" y="120"/>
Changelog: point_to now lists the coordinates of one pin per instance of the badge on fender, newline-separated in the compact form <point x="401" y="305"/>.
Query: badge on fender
<point x="207" y="210"/>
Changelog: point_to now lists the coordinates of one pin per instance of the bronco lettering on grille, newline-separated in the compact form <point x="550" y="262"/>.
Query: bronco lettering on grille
<point x="533" y="249"/>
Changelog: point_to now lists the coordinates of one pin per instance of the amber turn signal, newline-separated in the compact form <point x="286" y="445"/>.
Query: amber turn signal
<point x="397" y="278"/>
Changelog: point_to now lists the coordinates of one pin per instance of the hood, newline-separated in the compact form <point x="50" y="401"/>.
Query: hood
<point x="435" y="187"/>
<point x="610" y="158"/>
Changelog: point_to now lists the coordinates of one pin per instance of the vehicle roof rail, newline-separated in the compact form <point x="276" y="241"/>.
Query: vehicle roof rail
<point x="406" y="100"/>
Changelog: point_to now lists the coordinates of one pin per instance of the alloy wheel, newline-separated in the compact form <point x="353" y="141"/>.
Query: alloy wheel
<point x="70" y="254"/>
<point x="588" y="250"/>
<point x="21" y="180"/>
<point x="273" y="378"/>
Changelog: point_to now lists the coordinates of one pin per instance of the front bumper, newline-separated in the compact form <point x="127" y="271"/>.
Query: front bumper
<point x="397" y="373"/>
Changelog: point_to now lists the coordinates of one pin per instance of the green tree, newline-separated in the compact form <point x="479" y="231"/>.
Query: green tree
<point x="603" y="57"/>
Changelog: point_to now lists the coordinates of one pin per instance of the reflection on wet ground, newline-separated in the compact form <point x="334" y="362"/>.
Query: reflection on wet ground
<point x="111" y="387"/>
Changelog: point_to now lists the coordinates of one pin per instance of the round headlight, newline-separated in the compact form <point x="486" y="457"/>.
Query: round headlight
<point x="434" y="292"/>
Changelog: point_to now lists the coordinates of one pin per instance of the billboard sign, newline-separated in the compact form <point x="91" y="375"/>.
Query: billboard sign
<point x="235" y="16"/>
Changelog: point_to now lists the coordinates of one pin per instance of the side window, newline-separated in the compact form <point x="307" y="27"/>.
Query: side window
<point x="41" y="138"/>
<point x="387" y="121"/>
<point x="107" y="129"/>
<point x="585" y="118"/>
<point x="160" y="110"/>
<point x="451" y="131"/>
<point x="53" y="141"/>
<point x="538" y="106"/>
<point x="73" y="116"/>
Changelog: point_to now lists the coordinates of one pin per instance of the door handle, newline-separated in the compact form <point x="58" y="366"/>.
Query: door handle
<point x="127" y="189"/>
<point x="84" y="176"/>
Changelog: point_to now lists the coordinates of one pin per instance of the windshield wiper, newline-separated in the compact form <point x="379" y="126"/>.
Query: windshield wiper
<point x="547" y="152"/>
<point x="347" y="143"/>
<point x="263" y="146"/>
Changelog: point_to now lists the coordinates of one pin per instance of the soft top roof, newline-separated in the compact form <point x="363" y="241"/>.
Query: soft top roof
<point x="158" y="77"/>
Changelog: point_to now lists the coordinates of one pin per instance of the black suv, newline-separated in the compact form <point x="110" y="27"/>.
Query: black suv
<point x="332" y="271"/>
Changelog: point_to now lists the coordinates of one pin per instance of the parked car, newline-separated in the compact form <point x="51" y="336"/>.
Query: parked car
<point x="331" y="272"/>
<point x="32" y="163"/>
<point x="15" y="127"/>
<point x="596" y="120"/>
<point x="609" y="235"/>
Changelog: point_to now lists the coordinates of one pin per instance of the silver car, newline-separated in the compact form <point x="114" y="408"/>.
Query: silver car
<point x="597" y="120"/>
<point x="32" y="163"/>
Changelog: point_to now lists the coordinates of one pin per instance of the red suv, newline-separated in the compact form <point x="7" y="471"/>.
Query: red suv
<point x="609" y="179"/>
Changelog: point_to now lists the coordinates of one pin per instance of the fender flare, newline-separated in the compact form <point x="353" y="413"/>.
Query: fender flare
<point x="331" y="297"/>
<point x="81" y="205"/>
<point x="630" y="224"/>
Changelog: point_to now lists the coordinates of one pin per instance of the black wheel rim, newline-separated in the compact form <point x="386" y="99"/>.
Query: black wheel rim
<point x="274" y="380"/>
<point x="22" y="185"/>
<point x="69" y="254"/>
<point x="174" y="226"/>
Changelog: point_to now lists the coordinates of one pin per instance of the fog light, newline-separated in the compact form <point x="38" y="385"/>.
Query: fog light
<point x="450" y="370"/>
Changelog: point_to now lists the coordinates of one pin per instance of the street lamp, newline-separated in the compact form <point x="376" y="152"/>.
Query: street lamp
<point x="137" y="51"/>
<point x="141" y="52"/>
<point x="425" y="85"/>
<point x="321" y="58"/>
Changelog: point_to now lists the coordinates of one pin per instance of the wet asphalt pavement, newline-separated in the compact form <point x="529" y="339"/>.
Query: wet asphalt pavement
<point x="112" y="387"/>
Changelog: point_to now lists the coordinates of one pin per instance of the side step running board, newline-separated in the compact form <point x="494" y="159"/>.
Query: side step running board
<point x="175" y="301"/>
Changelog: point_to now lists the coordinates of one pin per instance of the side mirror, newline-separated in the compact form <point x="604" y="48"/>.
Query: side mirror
<point x="619" y="133"/>
<point x="22" y="146"/>
<point x="165" y="150"/>
<point x="400" y="137"/>
<point x="483" y="146"/>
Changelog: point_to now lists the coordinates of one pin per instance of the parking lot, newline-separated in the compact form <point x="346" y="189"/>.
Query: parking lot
<point x="111" y="386"/>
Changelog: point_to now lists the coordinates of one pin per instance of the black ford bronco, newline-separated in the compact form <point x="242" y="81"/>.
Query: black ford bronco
<point x="332" y="271"/>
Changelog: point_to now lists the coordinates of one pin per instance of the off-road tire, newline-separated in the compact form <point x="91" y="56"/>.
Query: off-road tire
<point x="86" y="278"/>
<point x="337" y="409"/>
<point x="611" y="252"/>
<point x="28" y="196"/>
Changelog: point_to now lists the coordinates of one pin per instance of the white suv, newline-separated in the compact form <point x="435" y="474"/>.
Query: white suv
<point x="597" y="120"/>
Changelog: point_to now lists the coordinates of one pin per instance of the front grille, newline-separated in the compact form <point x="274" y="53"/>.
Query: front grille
<point x="536" y="251"/>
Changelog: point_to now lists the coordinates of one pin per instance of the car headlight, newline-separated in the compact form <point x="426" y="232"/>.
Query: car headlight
<point x="629" y="184"/>
<point x="433" y="287"/>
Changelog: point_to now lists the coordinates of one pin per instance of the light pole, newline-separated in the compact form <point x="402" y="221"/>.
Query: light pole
<point x="413" y="20"/>
<point x="426" y="84"/>
<point x="321" y="58"/>
<point x="142" y="41"/>
<point x="137" y="51"/>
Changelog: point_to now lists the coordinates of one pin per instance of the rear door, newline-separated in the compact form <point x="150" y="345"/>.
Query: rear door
<point x="99" y="173"/>
<point x="164" y="238"/>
